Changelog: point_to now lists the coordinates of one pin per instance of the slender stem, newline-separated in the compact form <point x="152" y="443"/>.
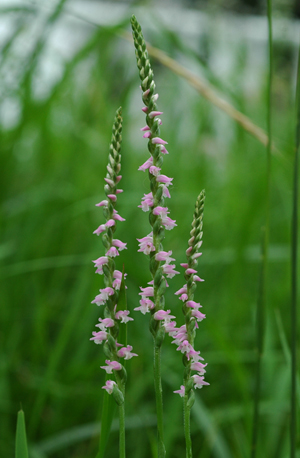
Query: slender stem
<point x="159" y="402"/>
<point x="294" y="273"/>
<point x="187" y="427"/>
<point x="122" y="431"/>
<point x="261" y="302"/>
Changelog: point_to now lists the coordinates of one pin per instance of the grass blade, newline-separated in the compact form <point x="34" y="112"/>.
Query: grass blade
<point x="261" y="302"/>
<point x="21" y="440"/>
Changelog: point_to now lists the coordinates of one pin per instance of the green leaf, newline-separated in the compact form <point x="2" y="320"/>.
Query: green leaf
<point x="21" y="440"/>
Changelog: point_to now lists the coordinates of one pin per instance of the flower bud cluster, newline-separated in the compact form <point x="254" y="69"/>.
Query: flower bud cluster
<point x="152" y="299"/>
<point x="185" y="335"/>
<point x="105" y="265"/>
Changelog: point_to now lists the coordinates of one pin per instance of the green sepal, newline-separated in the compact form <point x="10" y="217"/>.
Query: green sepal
<point x="105" y="241"/>
<point x="162" y="287"/>
<point x="21" y="450"/>
<point x="111" y="342"/>
<point x="191" y="399"/>
<point x="118" y="395"/>
<point x="107" y="351"/>
<point x="159" y="337"/>
<point x="189" y="385"/>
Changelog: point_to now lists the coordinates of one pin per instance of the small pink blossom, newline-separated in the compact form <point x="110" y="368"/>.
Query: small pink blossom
<point x="147" y="134"/>
<point x="199" y="381"/>
<point x="99" y="336"/>
<point x="121" y="245"/>
<point x="199" y="367"/>
<point x="126" y="353"/>
<point x="164" y="256"/>
<point x="190" y="271"/>
<point x="164" y="179"/>
<point x="198" y="315"/>
<point x="158" y="141"/>
<point x="117" y="216"/>
<point x="168" y="270"/>
<point x="146" y="244"/>
<point x="146" y="306"/>
<point x="105" y="323"/>
<point x="123" y="316"/>
<point x="99" y="263"/>
<point x="144" y="129"/>
<point x="111" y="366"/>
<point x="182" y="290"/>
<point x="196" y="278"/>
<point x="181" y="392"/>
<point x="103" y="203"/>
<point x="163" y="315"/>
<point x="109" y="386"/>
<point x="147" y="202"/>
<point x="148" y="291"/>
<point x="112" y="252"/>
<point x="145" y="109"/>
<point x="193" y="304"/>
<point x="109" y="182"/>
<point x="154" y="170"/>
<point x="146" y="164"/>
<point x="163" y="150"/>
<point x="184" y="264"/>
<point x="184" y="297"/>
<point x="152" y="114"/>
<point x="112" y="197"/>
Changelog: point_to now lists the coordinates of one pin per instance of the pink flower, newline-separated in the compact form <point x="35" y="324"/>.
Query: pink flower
<point x="111" y="366"/>
<point x="154" y="170"/>
<point x="117" y="216"/>
<point x="152" y="114"/>
<point x="158" y="141"/>
<point x="147" y="201"/>
<point x="148" y="291"/>
<point x="145" y="307"/>
<point x="146" y="164"/>
<point x="193" y="304"/>
<point x="109" y="182"/>
<point x="167" y="222"/>
<point x="196" y="278"/>
<point x="163" y="315"/>
<point x="123" y="316"/>
<point x="147" y="134"/>
<point x="190" y="271"/>
<point x="125" y="352"/>
<point x="163" y="150"/>
<point x="105" y="323"/>
<point x="168" y="269"/>
<point x="199" y="367"/>
<point x="103" y="203"/>
<point x="112" y="197"/>
<point x="198" y="315"/>
<point x="146" y="244"/>
<point x="112" y="252"/>
<point x="109" y="386"/>
<point x="99" y="263"/>
<point x="99" y="337"/>
<point x="121" y="245"/>
<point x="170" y="328"/>
<point x="182" y="290"/>
<point x="164" y="179"/>
<point x="144" y="129"/>
<point x="183" y="297"/>
<point x="199" y="381"/>
<point x="181" y="392"/>
<point x="145" y="109"/>
<point x="164" y="256"/>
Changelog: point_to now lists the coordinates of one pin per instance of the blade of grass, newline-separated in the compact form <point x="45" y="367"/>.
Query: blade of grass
<point x="21" y="440"/>
<point x="261" y="302"/>
<point x="294" y="253"/>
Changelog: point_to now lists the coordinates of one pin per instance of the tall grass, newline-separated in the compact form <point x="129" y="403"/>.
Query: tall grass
<point x="54" y="154"/>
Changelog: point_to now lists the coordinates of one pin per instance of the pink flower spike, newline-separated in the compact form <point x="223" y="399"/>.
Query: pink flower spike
<point x="184" y="264"/>
<point x="103" y="203"/>
<point x="123" y="316"/>
<point x="147" y="134"/>
<point x="126" y="353"/>
<point x="112" y="197"/>
<point x="158" y="141"/>
<point x="121" y="245"/>
<point x="112" y="252"/>
<point x="152" y="114"/>
<point x="109" y="386"/>
<point x="99" y="337"/>
<point x="145" y="109"/>
<point x="144" y="129"/>
<point x="181" y="392"/>
<point x="190" y="271"/>
<point x="199" y="381"/>
<point x="111" y="366"/>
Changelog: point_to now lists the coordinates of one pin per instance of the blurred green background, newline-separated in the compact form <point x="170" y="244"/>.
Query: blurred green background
<point x="62" y="78"/>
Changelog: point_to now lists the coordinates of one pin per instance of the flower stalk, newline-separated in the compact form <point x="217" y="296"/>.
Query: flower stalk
<point x="153" y="300"/>
<point x="109" y="296"/>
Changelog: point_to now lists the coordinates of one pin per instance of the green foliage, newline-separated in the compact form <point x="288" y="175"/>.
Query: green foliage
<point x="53" y="158"/>
<point x="21" y="439"/>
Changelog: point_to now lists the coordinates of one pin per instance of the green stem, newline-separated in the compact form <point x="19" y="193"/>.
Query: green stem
<point x="122" y="453"/>
<point x="159" y="402"/>
<point x="294" y="247"/>
<point x="187" y="427"/>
